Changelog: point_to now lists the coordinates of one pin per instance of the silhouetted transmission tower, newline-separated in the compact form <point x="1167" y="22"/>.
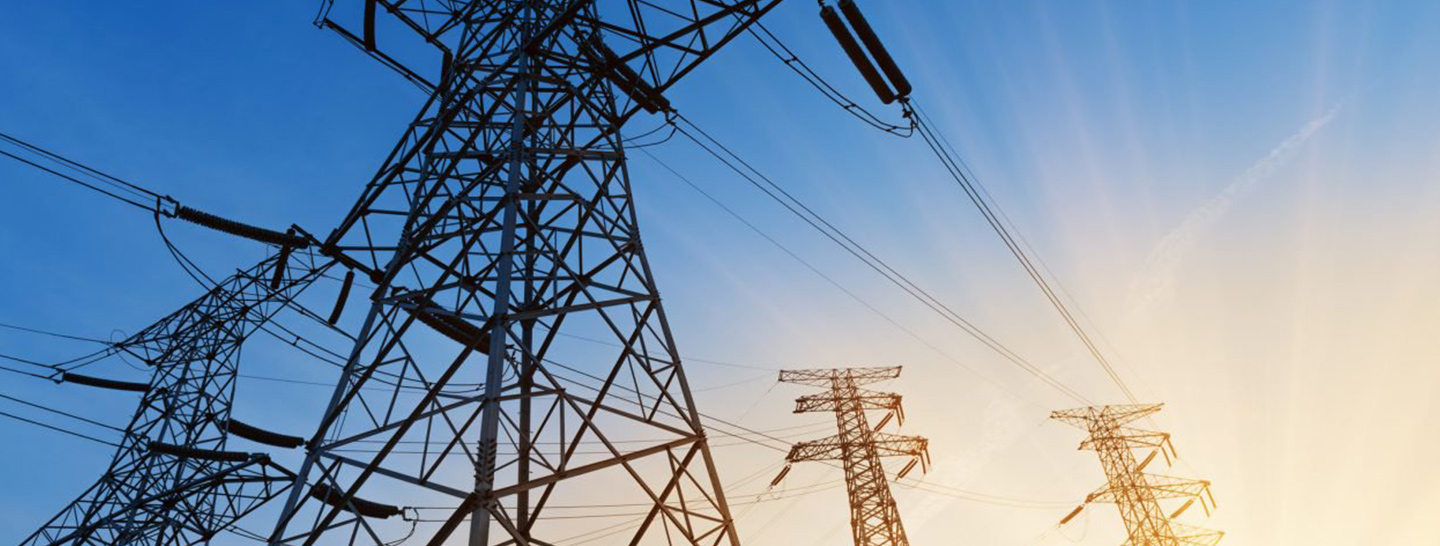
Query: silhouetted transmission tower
<point x="1134" y="492"/>
<point x="172" y="480"/>
<point x="874" y="519"/>
<point x="499" y="232"/>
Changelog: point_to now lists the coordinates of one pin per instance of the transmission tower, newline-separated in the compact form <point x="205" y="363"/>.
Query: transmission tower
<point x="874" y="519"/>
<point x="172" y="480"/>
<point x="1136" y="493"/>
<point x="499" y="233"/>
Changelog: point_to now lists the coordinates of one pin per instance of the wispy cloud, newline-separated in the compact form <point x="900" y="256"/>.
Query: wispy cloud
<point x="1157" y="280"/>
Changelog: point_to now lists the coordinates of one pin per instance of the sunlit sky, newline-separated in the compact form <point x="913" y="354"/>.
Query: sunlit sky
<point x="1239" y="196"/>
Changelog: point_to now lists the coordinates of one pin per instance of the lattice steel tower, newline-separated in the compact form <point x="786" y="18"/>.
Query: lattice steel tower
<point x="499" y="234"/>
<point x="173" y="480"/>
<point x="1136" y="493"/>
<point x="874" y="519"/>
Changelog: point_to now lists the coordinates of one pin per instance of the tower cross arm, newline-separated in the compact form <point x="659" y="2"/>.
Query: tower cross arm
<point x="660" y="40"/>
<point x="894" y="445"/>
<point x="1169" y="487"/>
<point x="832" y="448"/>
<point x="827" y="377"/>
<point x="1160" y="487"/>
<point x="1091" y="418"/>
<point x="829" y="448"/>
<point x="1128" y="437"/>
<point x="829" y="402"/>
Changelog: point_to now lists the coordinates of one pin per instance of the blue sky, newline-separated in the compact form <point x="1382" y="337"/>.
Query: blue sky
<point x="1102" y="128"/>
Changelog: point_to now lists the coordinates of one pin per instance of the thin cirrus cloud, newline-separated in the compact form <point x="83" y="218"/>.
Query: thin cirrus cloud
<point x="1156" y="280"/>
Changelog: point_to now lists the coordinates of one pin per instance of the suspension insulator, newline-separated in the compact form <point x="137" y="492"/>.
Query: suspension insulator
<point x="260" y="435"/>
<point x="857" y="56"/>
<point x="369" y="35"/>
<point x="369" y="509"/>
<point x="1072" y="514"/>
<point x="447" y="69"/>
<point x="611" y="67"/>
<point x="780" y="477"/>
<point x="1147" y="462"/>
<point x="69" y="377"/>
<point x="884" y="420"/>
<point x="908" y="467"/>
<point x="453" y="327"/>
<point x="280" y="264"/>
<point x="877" y="50"/>
<point x="196" y="453"/>
<point x="1182" y="509"/>
<point x="344" y="295"/>
<point x="238" y="229"/>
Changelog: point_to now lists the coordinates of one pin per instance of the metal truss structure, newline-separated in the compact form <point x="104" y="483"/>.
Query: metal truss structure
<point x="874" y="519"/>
<point x="172" y="480"/>
<point x="515" y="356"/>
<point x="499" y="234"/>
<point x="1136" y="493"/>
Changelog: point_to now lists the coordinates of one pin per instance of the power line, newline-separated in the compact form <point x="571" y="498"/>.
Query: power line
<point x="23" y="372"/>
<point x="750" y="434"/>
<point x="53" y="334"/>
<point x="78" y="181"/>
<point x="776" y="47"/>
<point x="61" y="412"/>
<point x="687" y="358"/>
<point x="967" y="182"/>
<point x="58" y="429"/>
<point x="796" y="207"/>
<point x="827" y="278"/>
<point x="137" y="196"/>
<point x="957" y="168"/>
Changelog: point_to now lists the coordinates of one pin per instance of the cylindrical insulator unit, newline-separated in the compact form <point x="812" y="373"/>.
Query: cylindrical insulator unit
<point x="344" y="296"/>
<point x="1182" y="508"/>
<point x="624" y="77"/>
<point x="884" y="420"/>
<point x="280" y="264"/>
<point x="908" y="467"/>
<point x="781" y="476"/>
<point x="369" y="35"/>
<point x="369" y="509"/>
<point x="238" y="229"/>
<point x="857" y="55"/>
<point x="1146" y="462"/>
<point x="1072" y="514"/>
<point x="197" y="453"/>
<point x="70" y="377"/>
<point x="257" y="434"/>
<point x="877" y="49"/>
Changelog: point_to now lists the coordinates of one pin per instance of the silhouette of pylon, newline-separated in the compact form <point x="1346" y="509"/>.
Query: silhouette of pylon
<point x="1136" y="493"/>
<point x="173" y="480"/>
<point x="874" y="518"/>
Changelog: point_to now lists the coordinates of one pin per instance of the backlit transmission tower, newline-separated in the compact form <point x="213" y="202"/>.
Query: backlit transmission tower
<point x="499" y="235"/>
<point x="1136" y="493"/>
<point x="173" y="480"/>
<point x="874" y="519"/>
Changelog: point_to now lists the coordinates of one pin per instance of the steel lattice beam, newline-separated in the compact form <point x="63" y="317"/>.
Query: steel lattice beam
<point x="1136" y="493"/>
<point x="500" y="228"/>
<point x="172" y="481"/>
<point x="874" y="518"/>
